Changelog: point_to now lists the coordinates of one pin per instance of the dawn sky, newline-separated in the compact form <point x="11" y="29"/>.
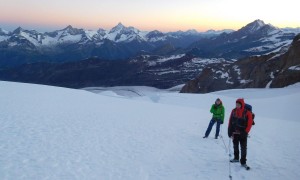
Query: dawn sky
<point x="163" y="15"/>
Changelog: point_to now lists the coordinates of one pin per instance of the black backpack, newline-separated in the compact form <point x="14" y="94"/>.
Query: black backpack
<point x="249" y="108"/>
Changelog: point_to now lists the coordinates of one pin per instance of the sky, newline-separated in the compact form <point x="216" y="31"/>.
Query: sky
<point x="163" y="15"/>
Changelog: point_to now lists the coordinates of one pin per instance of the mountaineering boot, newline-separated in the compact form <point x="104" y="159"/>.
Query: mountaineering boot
<point x="234" y="160"/>
<point x="246" y="166"/>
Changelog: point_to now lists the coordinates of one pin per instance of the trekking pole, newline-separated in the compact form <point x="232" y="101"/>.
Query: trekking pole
<point x="230" y="177"/>
<point x="221" y="136"/>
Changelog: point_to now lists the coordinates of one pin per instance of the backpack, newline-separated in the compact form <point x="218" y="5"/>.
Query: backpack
<point x="249" y="108"/>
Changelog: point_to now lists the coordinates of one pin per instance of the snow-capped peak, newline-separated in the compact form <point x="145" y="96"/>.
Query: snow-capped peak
<point x="154" y="36"/>
<point x="254" y="26"/>
<point x="18" y="30"/>
<point x="259" y="23"/>
<point x="68" y="27"/>
<point x="73" y="31"/>
<point x="102" y="32"/>
<point x="118" y="27"/>
<point x="121" y="33"/>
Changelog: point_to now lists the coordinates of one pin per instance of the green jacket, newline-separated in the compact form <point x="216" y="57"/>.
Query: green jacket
<point x="218" y="111"/>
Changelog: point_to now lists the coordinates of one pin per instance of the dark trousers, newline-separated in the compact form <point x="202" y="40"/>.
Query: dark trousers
<point x="211" y="124"/>
<point x="240" y="140"/>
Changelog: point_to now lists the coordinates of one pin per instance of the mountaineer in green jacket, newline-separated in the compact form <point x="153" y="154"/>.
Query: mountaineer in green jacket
<point x="218" y="112"/>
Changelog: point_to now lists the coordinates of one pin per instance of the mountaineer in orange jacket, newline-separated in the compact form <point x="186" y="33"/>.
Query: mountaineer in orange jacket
<point x="240" y="123"/>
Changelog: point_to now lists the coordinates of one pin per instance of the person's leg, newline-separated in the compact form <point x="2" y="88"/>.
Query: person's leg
<point x="211" y="123"/>
<point x="236" y="140"/>
<point x="218" y="129"/>
<point x="243" y="150"/>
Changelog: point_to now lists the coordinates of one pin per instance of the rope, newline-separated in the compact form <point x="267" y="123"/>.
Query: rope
<point x="226" y="149"/>
<point x="230" y="177"/>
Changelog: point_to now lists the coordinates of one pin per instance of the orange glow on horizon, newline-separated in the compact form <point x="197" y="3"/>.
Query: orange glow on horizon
<point x="164" y="26"/>
<point x="166" y="16"/>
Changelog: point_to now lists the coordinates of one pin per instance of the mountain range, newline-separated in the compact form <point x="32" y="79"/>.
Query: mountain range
<point x="124" y="43"/>
<point x="257" y="55"/>
<point x="200" y="75"/>
<point x="71" y="44"/>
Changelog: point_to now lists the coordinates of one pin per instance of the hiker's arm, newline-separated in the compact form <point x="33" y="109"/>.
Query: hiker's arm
<point x="212" y="108"/>
<point x="223" y="114"/>
<point x="229" y="128"/>
<point x="250" y="121"/>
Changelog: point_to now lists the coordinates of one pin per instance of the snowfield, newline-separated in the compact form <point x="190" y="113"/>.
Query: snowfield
<point x="142" y="133"/>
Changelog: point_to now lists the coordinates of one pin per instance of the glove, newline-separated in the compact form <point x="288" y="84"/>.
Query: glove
<point x="229" y="133"/>
<point x="220" y="121"/>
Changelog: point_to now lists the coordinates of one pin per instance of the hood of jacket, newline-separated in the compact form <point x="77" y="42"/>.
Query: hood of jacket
<point x="239" y="111"/>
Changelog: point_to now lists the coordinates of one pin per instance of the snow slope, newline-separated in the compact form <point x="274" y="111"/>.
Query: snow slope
<point x="58" y="133"/>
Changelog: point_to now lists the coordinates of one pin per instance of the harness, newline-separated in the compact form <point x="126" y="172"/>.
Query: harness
<point x="238" y="124"/>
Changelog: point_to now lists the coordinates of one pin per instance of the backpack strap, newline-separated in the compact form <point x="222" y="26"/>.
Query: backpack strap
<point x="245" y="113"/>
<point x="234" y="112"/>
